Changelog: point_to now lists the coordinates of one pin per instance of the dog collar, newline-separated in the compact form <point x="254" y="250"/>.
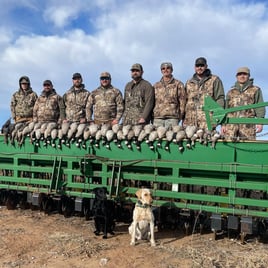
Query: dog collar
<point x="140" y="205"/>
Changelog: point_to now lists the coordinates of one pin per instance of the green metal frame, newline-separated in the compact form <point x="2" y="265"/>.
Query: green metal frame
<point x="216" y="115"/>
<point x="202" y="178"/>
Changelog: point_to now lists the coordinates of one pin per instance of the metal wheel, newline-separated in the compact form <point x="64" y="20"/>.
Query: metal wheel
<point x="201" y="228"/>
<point x="12" y="200"/>
<point x="23" y="204"/>
<point x="215" y="235"/>
<point x="86" y="210"/>
<point x="187" y="228"/>
<point x="67" y="207"/>
<point x="47" y="204"/>
<point x="242" y="237"/>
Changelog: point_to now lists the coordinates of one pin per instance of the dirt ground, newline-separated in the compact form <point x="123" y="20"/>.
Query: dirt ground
<point x="34" y="239"/>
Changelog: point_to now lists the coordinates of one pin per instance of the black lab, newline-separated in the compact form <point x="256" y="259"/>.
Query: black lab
<point x="103" y="212"/>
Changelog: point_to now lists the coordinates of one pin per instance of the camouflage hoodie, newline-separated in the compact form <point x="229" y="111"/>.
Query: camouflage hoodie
<point x="245" y="95"/>
<point x="106" y="104"/>
<point x="22" y="102"/>
<point x="48" y="107"/>
<point x="75" y="103"/>
<point x="196" y="90"/>
<point x="170" y="99"/>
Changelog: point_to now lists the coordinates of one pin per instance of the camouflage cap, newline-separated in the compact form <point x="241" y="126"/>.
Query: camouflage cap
<point x="77" y="75"/>
<point x="136" y="66"/>
<point x="105" y="74"/>
<point x="47" y="82"/>
<point x="201" y="60"/>
<point x="166" y="64"/>
<point x="243" y="70"/>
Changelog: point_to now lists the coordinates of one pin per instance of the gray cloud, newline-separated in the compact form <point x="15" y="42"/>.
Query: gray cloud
<point x="229" y="33"/>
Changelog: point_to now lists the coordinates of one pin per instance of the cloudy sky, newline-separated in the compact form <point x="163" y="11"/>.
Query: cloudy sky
<point x="47" y="39"/>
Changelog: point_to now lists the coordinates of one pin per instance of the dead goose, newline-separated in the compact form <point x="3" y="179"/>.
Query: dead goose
<point x="161" y="132"/>
<point x="190" y="131"/>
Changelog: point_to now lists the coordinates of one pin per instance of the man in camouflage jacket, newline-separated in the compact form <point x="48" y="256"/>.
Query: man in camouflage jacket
<point x="105" y="103"/>
<point x="201" y="84"/>
<point x="22" y="101"/>
<point x="139" y="98"/>
<point x="244" y="92"/>
<point x="75" y="100"/>
<point x="48" y="107"/>
<point x="170" y="98"/>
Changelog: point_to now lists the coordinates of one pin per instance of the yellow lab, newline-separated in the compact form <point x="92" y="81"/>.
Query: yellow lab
<point x="142" y="227"/>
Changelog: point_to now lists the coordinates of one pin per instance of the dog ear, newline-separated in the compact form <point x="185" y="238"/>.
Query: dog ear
<point x="138" y="193"/>
<point x="94" y="190"/>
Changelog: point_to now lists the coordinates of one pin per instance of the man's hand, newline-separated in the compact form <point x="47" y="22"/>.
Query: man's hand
<point x="259" y="128"/>
<point x="114" y="122"/>
<point x="82" y="120"/>
<point x="223" y="130"/>
<point x="141" y="121"/>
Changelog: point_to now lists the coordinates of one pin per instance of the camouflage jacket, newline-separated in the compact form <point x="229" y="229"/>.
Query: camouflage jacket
<point x="248" y="94"/>
<point x="75" y="103"/>
<point x="48" y="107"/>
<point x="139" y="102"/>
<point x="105" y="103"/>
<point x="22" y="103"/>
<point x="196" y="90"/>
<point x="170" y="99"/>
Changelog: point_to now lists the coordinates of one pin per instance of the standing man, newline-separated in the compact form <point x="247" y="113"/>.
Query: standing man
<point x="170" y="98"/>
<point x="75" y="100"/>
<point x="105" y="102"/>
<point x="48" y="107"/>
<point x="201" y="84"/>
<point x="22" y="101"/>
<point x="139" y="98"/>
<point x="244" y="92"/>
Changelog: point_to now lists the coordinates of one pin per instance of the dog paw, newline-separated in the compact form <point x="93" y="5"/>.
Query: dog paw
<point x="96" y="233"/>
<point x="104" y="237"/>
<point x="153" y="244"/>
<point x="132" y="243"/>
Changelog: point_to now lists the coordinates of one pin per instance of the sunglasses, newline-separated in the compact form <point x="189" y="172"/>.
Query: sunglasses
<point x="199" y="65"/>
<point x="46" y="85"/>
<point x="105" y="78"/>
<point x="241" y="74"/>
<point x="165" y="68"/>
<point x="135" y="70"/>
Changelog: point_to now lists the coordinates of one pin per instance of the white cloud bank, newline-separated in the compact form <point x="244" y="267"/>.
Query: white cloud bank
<point x="115" y="34"/>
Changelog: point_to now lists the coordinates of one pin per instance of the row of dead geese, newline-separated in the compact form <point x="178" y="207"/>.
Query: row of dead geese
<point x="80" y="134"/>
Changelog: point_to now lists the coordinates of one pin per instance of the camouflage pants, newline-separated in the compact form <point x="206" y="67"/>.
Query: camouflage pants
<point x="241" y="131"/>
<point x="166" y="122"/>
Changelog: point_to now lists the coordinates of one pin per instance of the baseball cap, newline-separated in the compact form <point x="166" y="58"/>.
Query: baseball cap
<point x="136" y="66"/>
<point x="47" y="82"/>
<point x="201" y="60"/>
<point x="166" y="64"/>
<point x="105" y="74"/>
<point x="243" y="70"/>
<point x="77" y="75"/>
